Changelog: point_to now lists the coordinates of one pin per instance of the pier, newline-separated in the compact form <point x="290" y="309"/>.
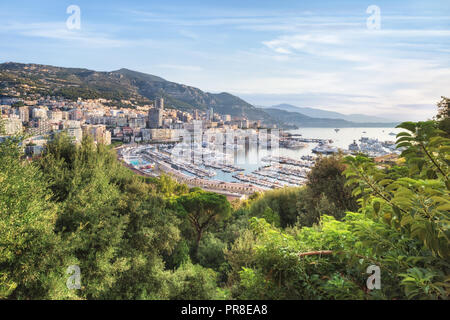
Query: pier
<point x="196" y="170"/>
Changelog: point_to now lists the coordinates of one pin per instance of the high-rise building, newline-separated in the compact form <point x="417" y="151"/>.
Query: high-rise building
<point x="196" y="115"/>
<point x="65" y="115"/>
<point x="55" y="115"/>
<point x="40" y="126"/>
<point x="159" y="103"/>
<point x="210" y="114"/>
<point x="75" y="114"/>
<point x="39" y="113"/>
<point x="76" y="133"/>
<point x="155" y="118"/>
<point x="24" y="113"/>
<point x="146" y="134"/>
<point x="244" y="124"/>
<point x="137" y="122"/>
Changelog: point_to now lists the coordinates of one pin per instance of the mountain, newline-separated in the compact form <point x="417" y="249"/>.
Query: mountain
<point x="126" y="87"/>
<point x="119" y="85"/>
<point x="301" y="120"/>
<point x="319" y="113"/>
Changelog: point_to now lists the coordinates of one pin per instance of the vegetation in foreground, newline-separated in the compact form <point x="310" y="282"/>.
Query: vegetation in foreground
<point x="144" y="238"/>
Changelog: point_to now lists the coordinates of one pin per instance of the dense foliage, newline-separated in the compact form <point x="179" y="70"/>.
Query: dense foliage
<point x="402" y="226"/>
<point x="152" y="238"/>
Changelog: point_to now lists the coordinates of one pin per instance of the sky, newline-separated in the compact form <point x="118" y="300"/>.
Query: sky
<point x="332" y="55"/>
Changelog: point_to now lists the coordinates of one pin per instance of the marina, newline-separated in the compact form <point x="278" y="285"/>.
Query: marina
<point x="253" y="166"/>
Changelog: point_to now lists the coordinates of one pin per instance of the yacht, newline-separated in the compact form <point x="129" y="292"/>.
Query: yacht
<point x="292" y="144"/>
<point x="324" y="149"/>
<point x="353" y="147"/>
<point x="307" y="158"/>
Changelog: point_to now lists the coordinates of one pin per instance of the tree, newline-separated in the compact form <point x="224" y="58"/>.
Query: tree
<point x="2" y="127"/>
<point x="276" y="206"/>
<point x="31" y="263"/>
<point x="326" y="179"/>
<point x="192" y="282"/>
<point x="401" y="226"/>
<point x="418" y="203"/>
<point x="88" y="218"/>
<point x="443" y="115"/>
<point x="169" y="187"/>
<point x="443" y="109"/>
<point x="57" y="164"/>
<point x="210" y="252"/>
<point x="202" y="209"/>
<point x="151" y="232"/>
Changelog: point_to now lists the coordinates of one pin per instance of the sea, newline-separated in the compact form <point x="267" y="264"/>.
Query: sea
<point x="250" y="158"/>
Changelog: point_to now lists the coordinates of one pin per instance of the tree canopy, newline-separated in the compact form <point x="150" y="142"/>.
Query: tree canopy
<point x="153" y="238"/>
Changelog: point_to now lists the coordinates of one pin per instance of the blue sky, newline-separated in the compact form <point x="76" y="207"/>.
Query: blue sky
<point x="307" y="53"/>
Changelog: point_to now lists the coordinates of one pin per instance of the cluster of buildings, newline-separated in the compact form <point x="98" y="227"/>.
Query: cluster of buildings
<point x="41" y="118"/>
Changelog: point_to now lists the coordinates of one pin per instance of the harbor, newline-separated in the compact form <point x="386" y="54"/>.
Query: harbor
<point x="241" y="171"/>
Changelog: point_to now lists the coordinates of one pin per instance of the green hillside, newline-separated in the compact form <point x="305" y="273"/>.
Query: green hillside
<point x="120" y="85"/>
<point x="124" y="85"/>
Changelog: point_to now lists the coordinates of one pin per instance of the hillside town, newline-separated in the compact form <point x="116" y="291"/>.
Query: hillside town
<point x="154" y="139"/>
<point x="40" y="119"/>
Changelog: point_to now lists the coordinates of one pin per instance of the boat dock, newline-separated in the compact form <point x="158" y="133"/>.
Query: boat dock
<point x="289" y="161"/>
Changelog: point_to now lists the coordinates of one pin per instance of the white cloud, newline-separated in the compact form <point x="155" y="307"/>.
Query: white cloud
<point x="189" y="34"/>
<point x="180" y="67"/>
<point x="59" y="31"/>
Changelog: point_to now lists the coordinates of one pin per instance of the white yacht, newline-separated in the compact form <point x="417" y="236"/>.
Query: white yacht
<point x="324" y="149"/>
<point x="353" y="147"/>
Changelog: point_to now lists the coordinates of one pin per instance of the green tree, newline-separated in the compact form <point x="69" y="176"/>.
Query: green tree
<point x="443" y="115"/>
<point x="151" y="232"/>
<point x="326" y="179"/>
<point x="193" y="282"/>
<point x="416" y="205"/>
<point x="210" y="252"/>
<point x="202" y="209"/>
<point x="32" y="265"/>
<point x="179" y="255"/>
<point x="401" y="226"/>
<point x="276" y="206"/>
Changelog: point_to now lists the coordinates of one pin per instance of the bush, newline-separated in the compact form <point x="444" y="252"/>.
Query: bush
<point x="193" y="282"/>
<point x="210" y="252"/>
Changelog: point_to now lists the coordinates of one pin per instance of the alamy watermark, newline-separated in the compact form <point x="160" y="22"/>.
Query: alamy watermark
<point x="219" y="146"/>
<point x="73" y="22"/>
<point x="374" y="20"/>
<point x="374" y="280"/>
<point x="74" y="281"/>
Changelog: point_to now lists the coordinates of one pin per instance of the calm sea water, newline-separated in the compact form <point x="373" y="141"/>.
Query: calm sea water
<point x="250" y="158"/>
<point x="346" y="136"/>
